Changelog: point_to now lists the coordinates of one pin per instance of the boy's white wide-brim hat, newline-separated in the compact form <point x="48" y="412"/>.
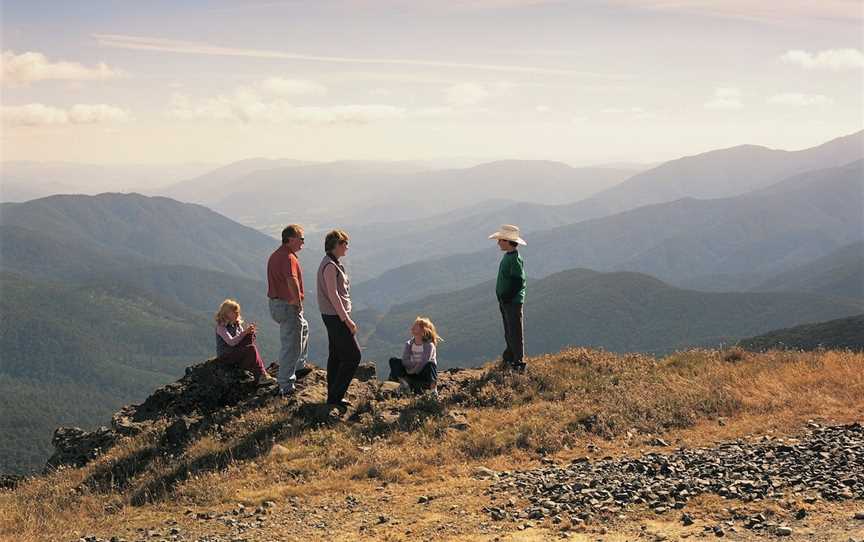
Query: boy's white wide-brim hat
<point x="508" y="232"/>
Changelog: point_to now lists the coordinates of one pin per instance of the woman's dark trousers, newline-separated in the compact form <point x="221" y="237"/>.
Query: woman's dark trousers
<point x="514" y="354"/>
<point x="424" y="380"/>
<point x="343" y="357"/>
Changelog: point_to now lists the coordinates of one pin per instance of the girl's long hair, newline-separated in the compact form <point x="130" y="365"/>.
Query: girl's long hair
<point x="430" y="335"/>
<point x="222" y="313"/>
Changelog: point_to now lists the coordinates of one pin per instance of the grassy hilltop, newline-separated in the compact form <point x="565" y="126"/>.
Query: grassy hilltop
<point x="413" y="472"/>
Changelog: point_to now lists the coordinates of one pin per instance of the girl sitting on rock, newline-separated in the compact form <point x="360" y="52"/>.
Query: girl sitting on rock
<point x="236" y="344"/>
<point x="417" y="370"/>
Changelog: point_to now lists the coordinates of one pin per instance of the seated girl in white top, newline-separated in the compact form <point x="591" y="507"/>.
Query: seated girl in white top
<point x="418" y="367"/>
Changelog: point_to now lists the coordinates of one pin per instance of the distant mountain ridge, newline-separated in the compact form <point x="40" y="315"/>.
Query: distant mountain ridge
<point x="722" y="173"/>
<point x="839" y="274"/>
<point x="153" y="229"/>
<point x="768" y="232"/>
<point x="840" y="334"/>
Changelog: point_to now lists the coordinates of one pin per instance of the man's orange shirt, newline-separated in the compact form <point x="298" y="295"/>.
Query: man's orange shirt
<point x="281" y="267"/>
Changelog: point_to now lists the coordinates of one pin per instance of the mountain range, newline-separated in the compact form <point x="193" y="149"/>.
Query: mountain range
<point x="765" y="232"/>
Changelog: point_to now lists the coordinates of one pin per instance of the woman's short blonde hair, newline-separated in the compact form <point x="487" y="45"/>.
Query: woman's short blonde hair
<point x="224" y="308"/>
<point x="430" y="335"/>
<point x="334" y="238"/>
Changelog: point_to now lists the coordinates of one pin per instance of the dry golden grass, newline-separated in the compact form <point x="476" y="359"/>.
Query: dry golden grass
<point x="563" y="402"/>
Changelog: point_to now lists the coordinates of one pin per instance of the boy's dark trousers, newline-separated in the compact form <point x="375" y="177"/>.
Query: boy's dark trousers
<point x="511" y="315"/>
<point x="342" y="359"/>
<point x="419" y="382"/>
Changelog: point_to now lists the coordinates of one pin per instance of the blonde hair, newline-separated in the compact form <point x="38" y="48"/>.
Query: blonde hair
<point x="222" y="313"/>
<point x="430" y="335"/>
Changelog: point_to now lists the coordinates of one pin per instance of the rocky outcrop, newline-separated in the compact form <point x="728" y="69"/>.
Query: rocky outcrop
<point x="211" y="393"/>
<point x="183" y="407"/>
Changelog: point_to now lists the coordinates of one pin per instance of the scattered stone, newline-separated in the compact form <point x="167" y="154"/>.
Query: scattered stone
<point x="741" y="470"/>
<point x="783" y="531"/>
<point x="859" y="515"/>
<point x="484" y="473"/>
<point x="686" y="519"/>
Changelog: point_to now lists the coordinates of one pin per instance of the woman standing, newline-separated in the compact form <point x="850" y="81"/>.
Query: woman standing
<point x="334" y="300"/>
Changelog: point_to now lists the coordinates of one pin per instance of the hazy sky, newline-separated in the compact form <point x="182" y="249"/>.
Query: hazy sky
<point x="583" y="82"/>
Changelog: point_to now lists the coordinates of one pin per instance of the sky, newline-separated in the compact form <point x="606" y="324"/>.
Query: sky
<point x="584" y="82"/>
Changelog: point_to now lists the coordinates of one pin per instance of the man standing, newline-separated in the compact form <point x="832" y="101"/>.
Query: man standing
<point x="510" y="290"/>
<point x="285" y="290"/>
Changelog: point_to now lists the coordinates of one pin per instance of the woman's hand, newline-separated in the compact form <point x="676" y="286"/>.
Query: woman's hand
<point x="351" y="326"/>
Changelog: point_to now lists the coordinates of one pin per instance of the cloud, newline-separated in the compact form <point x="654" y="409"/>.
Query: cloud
<point x="144" y="43"/>
<point x="830" y="59"/>
<point x="465" y="94"/>
<point x="246" y="105"/>
<point x="725" y="98"/>
<point x="30" y="67"/>
<point x="620" y="110"/>
<point x="44" y="115"/>
<point x="278" y="86"/>
<point x="794" y="99"/>
<point x="806" y="10"/>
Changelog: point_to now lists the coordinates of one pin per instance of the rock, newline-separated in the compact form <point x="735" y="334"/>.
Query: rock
<point x="423" y="499"/>
<point x="365" y="372"/>
<point x="457" y="420"/>
<point x="484" y="473"/>
<point x="389" y="388"/>
<point x="801" y="514"/>
<point x="859" y="515"/>
<point x="278" y="450"/>
<point x="75" y="447"/>
<point x="659" y="442"/>
<point x="686" y="520"/>
<point x="181" y="431"/>
<point x="783" y="531"/>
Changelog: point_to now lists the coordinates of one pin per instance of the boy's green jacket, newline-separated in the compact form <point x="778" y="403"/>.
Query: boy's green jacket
<point x="510" y="286"/>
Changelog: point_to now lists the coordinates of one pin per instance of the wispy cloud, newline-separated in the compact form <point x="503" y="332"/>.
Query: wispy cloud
<point x="30" y="67"/>
<point x="830" y="59"/>
<point x="279" y="86"/>
<point x="36" y="114"/>
<point x="725" y="98"/>
<point x="795" y="99"/>
<point x="466" y="94"/>
<point x="141" y="43"/>
<point x="843" y="10"/>
<point x="246" y="105"/>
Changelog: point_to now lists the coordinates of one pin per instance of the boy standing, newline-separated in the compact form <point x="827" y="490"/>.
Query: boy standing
<point x="510" y="290"/>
